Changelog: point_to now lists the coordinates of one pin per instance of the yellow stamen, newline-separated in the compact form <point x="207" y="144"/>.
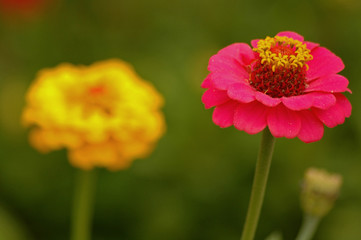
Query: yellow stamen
<point x="297" y="56"/>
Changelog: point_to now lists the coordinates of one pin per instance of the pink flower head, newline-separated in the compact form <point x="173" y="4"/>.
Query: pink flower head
<point x="284" y="83"/>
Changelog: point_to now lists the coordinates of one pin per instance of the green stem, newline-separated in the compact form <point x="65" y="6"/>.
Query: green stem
<point x="259" y="185"/>
<point x="308" y="227"/>
<point x="83" y="205"/>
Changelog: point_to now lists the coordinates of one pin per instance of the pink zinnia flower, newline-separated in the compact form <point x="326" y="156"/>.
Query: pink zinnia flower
<point x="284" y="83"/>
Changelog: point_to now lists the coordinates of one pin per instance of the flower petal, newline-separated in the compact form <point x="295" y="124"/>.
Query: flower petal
<point x="213" y="97"/>
<point x="232" y="59"/>
<point x="227" y="69"/>
<point x="254" y="43"/>
<point x="298" y="102"/>
<point x="226" y="64"/>
<point x="335" y="114"/>
<point x="207" y="83"/>
<point x="323" y="100"/>
<point x="344" y="103"/>
<point x="223" y="114"/>
<point x="251" y="117"/>
<point x="240" y="51"/>
<point x="241" y="92"/>
<point x="331" y="117"/>
<point x="283" y="122"/>
<point x="324" y="63"/>
<point x="223" y="81"/>
<point x="293" y="35"/>
<point x="267" y="100"/>
<point x="311" y="45"/>
<point x="311" y="127"/>
<point x="308" y="100"/>
<point x="330" y="83"/>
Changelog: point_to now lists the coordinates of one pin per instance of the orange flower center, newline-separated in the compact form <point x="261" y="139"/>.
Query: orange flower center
<point x="97" y="90"/>
<point x="284" y="50"/>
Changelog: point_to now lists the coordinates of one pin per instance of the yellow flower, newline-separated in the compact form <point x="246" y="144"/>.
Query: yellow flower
<point x="104" y="114"/>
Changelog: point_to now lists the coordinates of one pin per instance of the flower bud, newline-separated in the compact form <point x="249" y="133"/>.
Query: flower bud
<point x="320" y="189"/>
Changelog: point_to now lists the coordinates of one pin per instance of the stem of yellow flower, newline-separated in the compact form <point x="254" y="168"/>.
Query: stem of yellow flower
<point x="259" y="185"/>
<point x="308" y="227"/>
<point x="83" y="205"/>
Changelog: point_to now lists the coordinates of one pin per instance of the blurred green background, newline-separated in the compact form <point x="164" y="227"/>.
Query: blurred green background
<point x="196" y="184"/>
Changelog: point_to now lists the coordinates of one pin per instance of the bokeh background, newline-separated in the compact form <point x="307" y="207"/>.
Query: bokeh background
<point x="196" y="184"/>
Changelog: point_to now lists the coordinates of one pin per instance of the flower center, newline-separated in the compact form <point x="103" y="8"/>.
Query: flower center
<point x="98" y="97"/>
<point x="280" y="68"/>
<point x="97" y="90"/>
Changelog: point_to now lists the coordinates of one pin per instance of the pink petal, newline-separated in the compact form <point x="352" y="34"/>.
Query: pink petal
<point x="250" y="117"/>
<point x="223" y="114"/>
<point x="226" y="64"/>
<point x="323" y="100"/>
<point x="232" y="50"/>
<point x="241" y="92"/>
<point x="313" y="99"/>
<point x="330" y="83"/>
<point x="222" y="81"/>
<point x="254" y="43"/>
<point x="240" y="51"/>
<point x="232" y="60"/>
<point x="293" y="35"/>
<point x="267" y="100"/>
<point x="283" y="122"/>
<point x="335" y="114"/>
<point x="324" y="63"/>
<point x="344" y="103"/>
<point x="331" y="117"/>
<point x="311" y="127"/>
<point x="298" y="102"/>
<point x="311" y="45"/>
<point x="207" y="83"/>
<point x="214" y="97"/>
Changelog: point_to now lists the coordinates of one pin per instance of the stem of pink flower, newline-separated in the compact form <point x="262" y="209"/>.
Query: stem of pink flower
<point x="259" y="185"/>
<point x="83" y="205"/>
<point x="308" y="227"/>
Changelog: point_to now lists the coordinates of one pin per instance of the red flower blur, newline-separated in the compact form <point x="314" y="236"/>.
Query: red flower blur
<point x="14" y="9"/>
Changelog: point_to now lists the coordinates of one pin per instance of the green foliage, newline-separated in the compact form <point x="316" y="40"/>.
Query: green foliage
<point x="274" y="236"/>
<point x="10" y="228"/>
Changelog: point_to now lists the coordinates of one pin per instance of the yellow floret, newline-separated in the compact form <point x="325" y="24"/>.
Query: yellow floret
<point x="298" y="59"/>
<point x="104" y="114"/>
